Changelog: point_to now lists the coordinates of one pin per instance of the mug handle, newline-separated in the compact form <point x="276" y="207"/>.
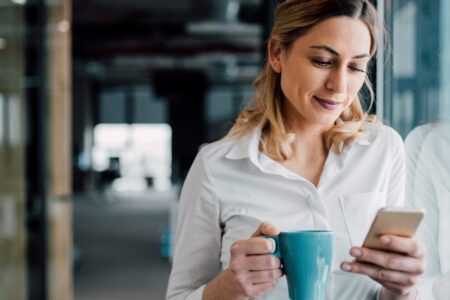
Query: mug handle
<point x="275" y="243"/>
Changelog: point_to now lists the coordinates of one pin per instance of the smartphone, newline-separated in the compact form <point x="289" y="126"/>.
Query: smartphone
<point x="395" y="221"/>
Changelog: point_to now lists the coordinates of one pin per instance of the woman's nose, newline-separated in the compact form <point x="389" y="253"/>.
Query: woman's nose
<point x="337" y="81"/>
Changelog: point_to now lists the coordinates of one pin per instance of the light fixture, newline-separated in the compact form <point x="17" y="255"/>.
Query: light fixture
<point x="2" y="117"/>
<point x="2" y="43"/>
<point x="63" y="26"/>
<point x="21" y="2"/>
<point x="14" y="124"/>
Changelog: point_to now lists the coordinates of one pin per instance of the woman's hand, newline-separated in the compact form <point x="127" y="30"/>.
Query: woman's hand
<point x="252" y="271"/>
<point x="397" y="271"/>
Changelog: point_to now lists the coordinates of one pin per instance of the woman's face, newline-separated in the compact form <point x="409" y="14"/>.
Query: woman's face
<point x="323" y="70"/>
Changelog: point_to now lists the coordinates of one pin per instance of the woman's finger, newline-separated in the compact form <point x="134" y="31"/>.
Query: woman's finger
<point x="262" y="288"/>
<point x="380" y="273"/>
<point x="259" y="277"/>
<point x="389" y="260"/>
<point x="408" y="246"/>
<point x="263" y="262"/>
<point x="254" y="245"/>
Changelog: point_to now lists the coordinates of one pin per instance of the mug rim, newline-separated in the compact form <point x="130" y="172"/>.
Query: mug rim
<point x="306" y="231"/>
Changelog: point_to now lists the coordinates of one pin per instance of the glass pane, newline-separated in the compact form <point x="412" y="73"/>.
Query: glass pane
<point x="12" y="153"/>
<point x="418" y="106"/>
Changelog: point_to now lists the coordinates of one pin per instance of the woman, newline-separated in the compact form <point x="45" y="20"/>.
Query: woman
<point x="302" y="156"/>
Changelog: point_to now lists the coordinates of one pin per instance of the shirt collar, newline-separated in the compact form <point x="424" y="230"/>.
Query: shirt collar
<point x="247" y="146"/>
<point x="336" y="162"/>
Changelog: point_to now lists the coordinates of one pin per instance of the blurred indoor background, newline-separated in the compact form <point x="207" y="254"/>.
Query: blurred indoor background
<point x="105" y="103"/>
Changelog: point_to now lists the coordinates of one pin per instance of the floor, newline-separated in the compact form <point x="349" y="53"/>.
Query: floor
<point x="119" y="239"/>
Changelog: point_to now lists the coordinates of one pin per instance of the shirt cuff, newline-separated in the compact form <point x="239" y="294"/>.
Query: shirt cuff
<point x="197" y="294"/>
<point x="377" y="295"/>
<point x="425" y="289"/>
<point x="379" y="292"/>
<point x="418" y="294"/>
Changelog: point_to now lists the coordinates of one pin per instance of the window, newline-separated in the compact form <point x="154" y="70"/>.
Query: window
<point x="417" y="104"/>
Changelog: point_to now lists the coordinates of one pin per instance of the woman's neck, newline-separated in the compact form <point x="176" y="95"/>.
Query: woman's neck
<point x="310" y="154"/>
<point x="309" y="140"/>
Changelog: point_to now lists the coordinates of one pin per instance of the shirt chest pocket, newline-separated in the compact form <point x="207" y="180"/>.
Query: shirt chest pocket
<point x="358" y="212"/>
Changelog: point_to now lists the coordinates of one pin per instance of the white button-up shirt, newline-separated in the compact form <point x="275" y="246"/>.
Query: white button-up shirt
<point x="232" y="188"/>
<point x="428" y="187"/>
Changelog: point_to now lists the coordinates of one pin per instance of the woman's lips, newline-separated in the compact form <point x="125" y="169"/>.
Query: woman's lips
<point x="327" y="104"/>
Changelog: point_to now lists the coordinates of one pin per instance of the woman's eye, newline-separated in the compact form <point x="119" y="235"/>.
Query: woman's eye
<point x="322" y="63"/>
<point x="357" y="69"/>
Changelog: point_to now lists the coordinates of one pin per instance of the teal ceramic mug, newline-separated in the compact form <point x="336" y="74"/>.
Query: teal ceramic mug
<point x="307" y="258"/>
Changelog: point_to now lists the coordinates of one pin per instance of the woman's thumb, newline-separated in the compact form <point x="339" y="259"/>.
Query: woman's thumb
<point x="266" y="228"/>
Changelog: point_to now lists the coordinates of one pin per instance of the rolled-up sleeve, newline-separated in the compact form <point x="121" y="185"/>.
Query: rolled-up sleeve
<point x="198" y="236"/>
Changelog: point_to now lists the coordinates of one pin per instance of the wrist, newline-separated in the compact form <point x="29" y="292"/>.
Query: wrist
<point x="222" y="288"/>
<point x="385" y="294"/>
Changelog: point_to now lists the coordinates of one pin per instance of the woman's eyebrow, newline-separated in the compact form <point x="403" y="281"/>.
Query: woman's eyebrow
<point x="334" y="52"/>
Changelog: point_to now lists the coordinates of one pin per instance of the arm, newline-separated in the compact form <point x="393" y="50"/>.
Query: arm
<point x="396" y="186"/>
<point x="397" y="271"/>
<point x="196" y="267"/>
<point x="425" y="197"/>
<point x="196" y="258"/>
<point x="396" y="197"/>
<point x="428" y="164"/>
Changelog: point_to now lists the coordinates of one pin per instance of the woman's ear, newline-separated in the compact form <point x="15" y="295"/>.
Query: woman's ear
<point x="274" y="53"/>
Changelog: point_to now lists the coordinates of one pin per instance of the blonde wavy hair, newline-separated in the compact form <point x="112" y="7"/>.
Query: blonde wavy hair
<point x="294" y="18"/>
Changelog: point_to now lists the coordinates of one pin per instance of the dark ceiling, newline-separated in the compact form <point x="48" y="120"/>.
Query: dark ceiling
<point x="109" y="28"/>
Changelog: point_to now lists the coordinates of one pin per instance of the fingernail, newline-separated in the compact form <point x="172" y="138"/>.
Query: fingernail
<point x="385" y="239"/>
<point x="268" y="226"/>
<point x="346" y="267"/>
<point x="355" y="252"/>
<point x="273" y="245"/>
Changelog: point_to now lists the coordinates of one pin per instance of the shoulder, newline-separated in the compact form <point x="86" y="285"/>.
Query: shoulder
<point x="441" y="132"/>
<point x="418" y="134"/>
<point x="201" y="172"/>
<point x="438" y="140"/>
<point x="212" y="154"/>
<point x="210" y="162"/>
<point x="378" y="133"/>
